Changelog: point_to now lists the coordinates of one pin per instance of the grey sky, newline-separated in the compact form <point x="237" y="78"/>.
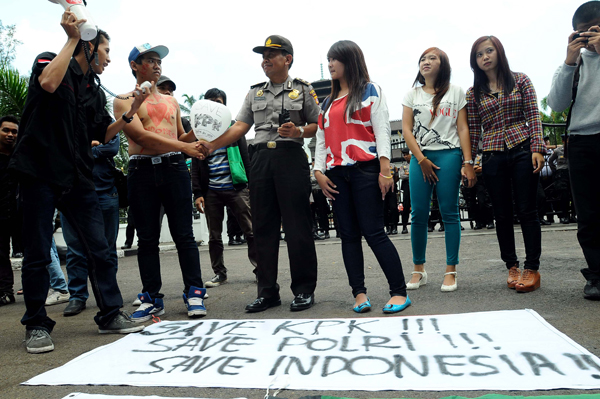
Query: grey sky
<point x="211" y="42"/>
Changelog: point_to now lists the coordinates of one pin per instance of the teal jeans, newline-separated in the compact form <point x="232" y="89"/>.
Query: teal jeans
<point x="450" y="163"/>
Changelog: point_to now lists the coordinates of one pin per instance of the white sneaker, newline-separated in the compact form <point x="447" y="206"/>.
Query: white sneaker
<point x="56" y="297"/>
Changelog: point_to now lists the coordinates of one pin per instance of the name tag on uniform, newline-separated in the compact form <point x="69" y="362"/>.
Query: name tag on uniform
<point x="260" y="99"/>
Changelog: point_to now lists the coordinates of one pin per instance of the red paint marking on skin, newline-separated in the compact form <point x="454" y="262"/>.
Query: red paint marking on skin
<point x="157" y="112"/>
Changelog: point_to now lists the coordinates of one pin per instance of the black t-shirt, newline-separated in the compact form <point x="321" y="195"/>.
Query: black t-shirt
<point x="8" y="189"/>
<point x="56" y="130"/>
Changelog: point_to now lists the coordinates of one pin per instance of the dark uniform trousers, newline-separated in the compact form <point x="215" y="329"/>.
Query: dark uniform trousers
<point x="279" y="190"/>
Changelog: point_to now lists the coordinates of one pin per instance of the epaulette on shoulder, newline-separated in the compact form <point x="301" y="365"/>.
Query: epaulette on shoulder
<point x="304" y="82"/>
<point x="258" y="84"/>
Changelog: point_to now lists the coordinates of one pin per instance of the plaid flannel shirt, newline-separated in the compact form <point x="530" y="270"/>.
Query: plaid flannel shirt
<point x="506" y="120"/>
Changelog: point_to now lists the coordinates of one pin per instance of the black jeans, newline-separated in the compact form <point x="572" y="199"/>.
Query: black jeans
<point x="6" y="272"/>
<point x="279" y="191"/>
<point x="405" y="187"/>
<point x="509" y="174"/>
<point x="81" y="207"/>
<point x="585" y="185"/>
<point x="359" y="210"/>
<point x="168" y="183"/>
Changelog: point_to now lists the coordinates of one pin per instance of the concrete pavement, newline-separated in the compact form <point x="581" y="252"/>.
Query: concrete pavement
<point x="481" y="287"/>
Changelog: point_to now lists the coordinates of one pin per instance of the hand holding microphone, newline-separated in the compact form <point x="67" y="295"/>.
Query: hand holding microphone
<point x="140" y="94"/>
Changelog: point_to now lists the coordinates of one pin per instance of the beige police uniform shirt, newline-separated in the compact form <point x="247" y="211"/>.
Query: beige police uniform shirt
<point x="265" y="101"/>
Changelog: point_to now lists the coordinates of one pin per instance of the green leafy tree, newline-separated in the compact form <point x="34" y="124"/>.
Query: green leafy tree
<point x="550" y="116"/>
<point x="13" y="87"/>
<point x="188" y="102"/>
<point x="8" y="44"/>
<point x="13" y="92"/>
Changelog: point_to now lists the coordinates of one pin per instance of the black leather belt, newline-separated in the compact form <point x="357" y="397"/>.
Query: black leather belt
<point x="272" y="145"/>
<point x="158" y="160"/>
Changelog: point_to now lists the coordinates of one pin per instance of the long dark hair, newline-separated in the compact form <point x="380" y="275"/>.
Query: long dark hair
<point x="504" y="75"/>
<point x="442" y="81"/>
<point x="355" y="71"/>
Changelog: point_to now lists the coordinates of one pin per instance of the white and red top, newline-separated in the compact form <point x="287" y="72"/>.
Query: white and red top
<point x="364" y="136"/>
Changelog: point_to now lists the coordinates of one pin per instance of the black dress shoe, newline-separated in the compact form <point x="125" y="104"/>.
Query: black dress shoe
<point x="17" y="254"/>
<point x="545" y="222"/>
<point x="442" y="228"/>
<point x="261" y="304"/>
<point x="564" y="220"/>
<point x="592" y="290"/>
<point x="430" y="229"/>
<point x="404" y="230"/>
<point x="394" y="231"/>
<point x="326" y="235"/>
<point x="490" y="226"/>
<point x="126" y="246"/>
<point x="302" y="302"/>
<point x="478" y="226"/>
<point x="74" y="307"/>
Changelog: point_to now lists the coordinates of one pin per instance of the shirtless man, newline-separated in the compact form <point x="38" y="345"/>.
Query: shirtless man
<point x="158" y="175"/>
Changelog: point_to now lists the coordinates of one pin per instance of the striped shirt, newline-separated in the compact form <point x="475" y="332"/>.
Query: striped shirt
<point x="219" y="176"/>
<point x="506" y="120"/>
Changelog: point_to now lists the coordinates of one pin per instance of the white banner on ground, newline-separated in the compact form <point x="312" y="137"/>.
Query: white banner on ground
<point x="79" y="395"/>
<point x="503" y="350"/>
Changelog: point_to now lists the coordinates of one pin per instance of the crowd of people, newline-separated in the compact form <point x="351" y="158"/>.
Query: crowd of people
<point x="62" y="148"/>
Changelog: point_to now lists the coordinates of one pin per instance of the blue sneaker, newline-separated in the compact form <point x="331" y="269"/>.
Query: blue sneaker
<point x="149" y="307"/>
<point x="194" y="301"/>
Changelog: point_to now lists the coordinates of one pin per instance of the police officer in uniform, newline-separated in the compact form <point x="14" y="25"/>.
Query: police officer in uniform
<point x="284" y="111"/>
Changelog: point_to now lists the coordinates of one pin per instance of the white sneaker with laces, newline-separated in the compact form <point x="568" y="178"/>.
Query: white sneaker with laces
<point x="56" y="297"/>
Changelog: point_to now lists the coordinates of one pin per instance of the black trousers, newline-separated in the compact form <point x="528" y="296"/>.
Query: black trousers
<point x="280" y="190"/>
<point x="6" y="272"/>
<point x="391" y="215"/>
<point x="585" y="185"/>
<point x="320" y="209"/>
<point x="404" y="186"/>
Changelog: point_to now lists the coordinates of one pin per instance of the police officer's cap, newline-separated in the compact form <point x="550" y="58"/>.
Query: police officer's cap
<point x="275" y="42"/>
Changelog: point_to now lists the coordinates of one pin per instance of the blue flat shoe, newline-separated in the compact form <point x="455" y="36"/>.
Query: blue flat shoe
<point x="363" y="307"/>
<point x="397" y="308"/>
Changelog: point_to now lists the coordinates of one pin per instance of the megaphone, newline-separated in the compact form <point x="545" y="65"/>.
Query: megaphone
<point x="87" y="29"/>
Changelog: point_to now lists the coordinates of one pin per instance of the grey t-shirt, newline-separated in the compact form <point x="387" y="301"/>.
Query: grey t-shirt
<point x="585" y="116"/>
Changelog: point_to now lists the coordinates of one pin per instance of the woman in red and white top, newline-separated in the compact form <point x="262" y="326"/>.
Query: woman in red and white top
<point x="352" y="166"/>
<point x="503" y="113"/>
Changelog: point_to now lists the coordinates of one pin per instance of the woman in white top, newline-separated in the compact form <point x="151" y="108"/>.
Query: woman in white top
<point x="434" y="125"/>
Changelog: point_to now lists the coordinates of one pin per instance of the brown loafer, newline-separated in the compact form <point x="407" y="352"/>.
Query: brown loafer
<point x="530" y="281"/>
<point x="514" y="274"/>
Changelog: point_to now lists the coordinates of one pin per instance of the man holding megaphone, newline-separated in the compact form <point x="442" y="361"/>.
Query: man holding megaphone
<point x="64" y="111"/>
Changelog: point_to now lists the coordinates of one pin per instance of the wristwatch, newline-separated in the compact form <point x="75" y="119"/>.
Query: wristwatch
<point x="470" y="162"/>
<point x="126" y="119"/>
<point x="301" y="131"/>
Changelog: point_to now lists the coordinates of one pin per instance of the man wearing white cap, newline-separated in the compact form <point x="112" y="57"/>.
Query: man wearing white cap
<point x="157" y="176"/>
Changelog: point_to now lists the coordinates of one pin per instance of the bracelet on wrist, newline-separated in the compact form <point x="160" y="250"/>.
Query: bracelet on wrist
<point x="419" y="163"/>
<point x="387" y="177"/>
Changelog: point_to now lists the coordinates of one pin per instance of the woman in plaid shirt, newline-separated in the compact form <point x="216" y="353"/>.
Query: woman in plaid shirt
<point x="503" y="114"/>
